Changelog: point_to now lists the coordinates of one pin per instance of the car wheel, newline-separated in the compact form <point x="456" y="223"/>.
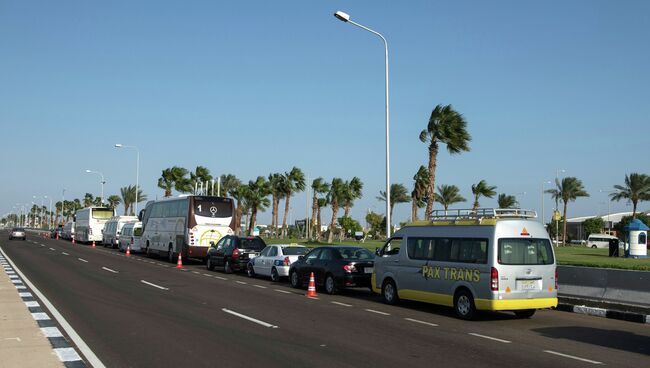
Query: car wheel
<point x="227" y="267"/>
<point x="294" y="278"/>
<point x="330" y="285"/>
<point x="275" y="277"/>
<point x="250" y="271"/>
<point x="209" y="265"/>
<point x="526" y="313"/>
<point x="389" y="292"/>
<point x="464" y="304"/>
<point x="594" y="246"/>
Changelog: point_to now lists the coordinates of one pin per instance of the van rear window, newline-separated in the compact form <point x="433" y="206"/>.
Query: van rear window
<point x="521" y="251"/>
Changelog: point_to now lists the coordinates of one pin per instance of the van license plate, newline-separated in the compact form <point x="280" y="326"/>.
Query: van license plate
<point x="528" y="284"/>
<point x="368" y="269"/>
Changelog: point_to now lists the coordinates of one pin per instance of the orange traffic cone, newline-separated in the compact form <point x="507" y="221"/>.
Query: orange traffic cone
<point x="57" y="235"/>
<point x="93" y="244"/>
<point x="311" y="290"/>
<point x="179" y="264"/>
<point x="128" y="251"/>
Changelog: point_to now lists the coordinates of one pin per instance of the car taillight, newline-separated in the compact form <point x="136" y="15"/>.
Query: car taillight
<point x="494" y="279"/>
<point x="349" y="268"/>
<point x="286" y="261"/>
<point x="556" y="279"/>
<point x="235" y="253"/>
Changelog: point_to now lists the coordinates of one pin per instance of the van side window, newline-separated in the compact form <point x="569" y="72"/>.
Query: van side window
<point x="466" y="250"/>
<point x="391" y="247"/>
<point x="420" y="248"/>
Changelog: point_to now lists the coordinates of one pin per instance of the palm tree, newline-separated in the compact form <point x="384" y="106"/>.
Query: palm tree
<point x="318" y="186"/>
<point x="277" y="183"/>
<point x="507" y="201"/>
<point x="256" y="197"/>
<point x="228" y="183"/>
<point x="88" y="199"/>
<point x="352" y="192"/>
<point x="569" y="189"/>
<point x="635" y="189"/>
<point x="113" y="201"/>
<point x="398" y="194"/>
<point x="295" y="182"/>
<point x="58" y="208"/>
<point x="174" y="178"/>
<point x="482" y="189"/>
<point x="448" y="195"/>
<point x="335" y="197"/>
<point x="445" y="126"/>
<point x="322" y="202"/>
<point x="128" y="198"/>
<point x="239" y="194"/>
<point x="201" y="176"/>
<point x="418" y="195"/>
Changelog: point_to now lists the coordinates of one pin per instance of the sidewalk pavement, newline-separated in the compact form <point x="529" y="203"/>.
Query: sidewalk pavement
<point x="22" y="344"/>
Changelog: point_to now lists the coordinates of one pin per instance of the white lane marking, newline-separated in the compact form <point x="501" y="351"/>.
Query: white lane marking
<point x="490" y="338"/>
<point x="342" y="304"/>
<point x="20" y="287"/>
<point x="52" y="249"/>
<point x="573" y="357"/>
<point x="13" y="338"/>
<point x="260" y="286"/>
<point x="40" y="316"/>
<point x="221" y="278"/>
<point x="65" y="254"/>
<point x="282" y="291"/>
<point x="82" y="260"/>
<point x="25" y="295"/>
<point x="378" y="312"/>
<point x="16" y="281"/>
<point x="109" y="270"/>
<point x="42" y="245"/>
<point x="195" y="272"/>
<point x="32" y="304"/>
<point x="67" y="354"/>
<point x="242" y="282"/>
<point x="81" y="344"/>
<point x="154" y="285"/>
<point x="249" y="318"/>
<point x="421" y="322"/>
<point x="51" y="332"/>
<point x="208" y="275"/>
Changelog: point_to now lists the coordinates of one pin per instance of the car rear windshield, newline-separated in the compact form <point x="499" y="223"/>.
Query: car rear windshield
<point x="18" y="228"/>
<point x="102" y="213"/>
<point x="294" y="251"/>
<point x="520" y="251"/>
<point x="355" y="254"/>
<point x="255" y="244"/>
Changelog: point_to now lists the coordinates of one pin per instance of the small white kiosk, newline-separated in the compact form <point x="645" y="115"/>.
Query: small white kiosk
<point x="637" y="236"/>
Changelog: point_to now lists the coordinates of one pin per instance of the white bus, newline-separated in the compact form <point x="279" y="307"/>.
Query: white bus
<point x="185" y="225"/>
<point x="89" y="223"/>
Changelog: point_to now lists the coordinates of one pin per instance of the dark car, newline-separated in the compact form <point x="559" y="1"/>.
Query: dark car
<point x="17" y="233"/>
<point x="233" y="252"/>
<point x="54" y="232"/>
<point x="334" y="268"/>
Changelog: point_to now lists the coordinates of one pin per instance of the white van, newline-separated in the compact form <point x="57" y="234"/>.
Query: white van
<point x="600" y="240"/>
<point x="130" y="236"/>
<point x="487" y="259"/>
<point x="113" y="229"/>
<point x="68" y="230"/>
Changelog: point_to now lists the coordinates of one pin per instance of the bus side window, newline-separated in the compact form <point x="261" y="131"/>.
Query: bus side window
<point x="391" y="247"/>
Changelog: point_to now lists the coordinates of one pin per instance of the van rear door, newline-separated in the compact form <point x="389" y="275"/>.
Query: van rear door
<point x="526" y="268"/>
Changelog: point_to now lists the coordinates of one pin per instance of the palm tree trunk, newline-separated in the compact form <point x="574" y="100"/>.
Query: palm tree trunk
<point x="284" y="218"/>
<point x="414" y="208"/>
<point x="168" y="192"/>
<point x="475" y="206"/>
<point x="634" y="209"/>
<point x="238" y="217"/>
<point x="564" y="225"/>
<point x="314" y="214"/>
<point x="318" y="226"/>
<point x="335" y="210"/>
<point x="251" y="228"/>
<point x="433" y="156"/>
<point x="348" y="206"/>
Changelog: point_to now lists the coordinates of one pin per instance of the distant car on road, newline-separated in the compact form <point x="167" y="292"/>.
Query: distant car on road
<point x="233" y="252"/>
<point x="55" y="232"/>
<point x="17" y="233"/>
<point x="275" y="260"/>
<point x="334" y="268"/>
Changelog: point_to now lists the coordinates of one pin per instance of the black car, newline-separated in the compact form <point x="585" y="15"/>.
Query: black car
<point x="54" y="232"/>
<point x="334" y="268"/>
<point x="233" y="252"/>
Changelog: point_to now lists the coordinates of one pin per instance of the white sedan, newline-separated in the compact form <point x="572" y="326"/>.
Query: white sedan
<point x="274" y="260"/>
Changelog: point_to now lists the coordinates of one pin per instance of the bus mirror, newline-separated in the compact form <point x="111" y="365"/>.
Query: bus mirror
<point x="140" y="215"/>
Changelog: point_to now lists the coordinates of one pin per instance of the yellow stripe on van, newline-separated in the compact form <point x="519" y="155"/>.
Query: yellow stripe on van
<point x="515" y="304"/>
<point x="426" y="297"/>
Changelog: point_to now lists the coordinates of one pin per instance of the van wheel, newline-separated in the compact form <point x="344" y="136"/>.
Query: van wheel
<point x="209" y="265"/>
<point x="525" y="313"/>
<point x="464" y="304"/>
<point x="170" y="255"/>
<point x="330" y="285"/>
<point x="594" y="246"/>
<point x="275" y="277"/>
<point x="389" y="292"/>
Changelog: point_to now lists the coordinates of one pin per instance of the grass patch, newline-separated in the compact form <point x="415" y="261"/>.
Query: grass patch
<point x="570" y="256"/>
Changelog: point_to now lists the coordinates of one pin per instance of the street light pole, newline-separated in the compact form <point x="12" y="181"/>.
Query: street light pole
<point x="557" y="199"/>
<point x="137" y="171"/>
<point x="344" y="17"/>
<point x="102" y="182"/>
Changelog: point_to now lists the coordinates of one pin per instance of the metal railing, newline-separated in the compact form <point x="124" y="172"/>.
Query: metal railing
<point x="480" y="213"/>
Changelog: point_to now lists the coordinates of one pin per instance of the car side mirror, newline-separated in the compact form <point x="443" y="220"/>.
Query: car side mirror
<point x="377" y="251"/>
<point x="300" y="258"/>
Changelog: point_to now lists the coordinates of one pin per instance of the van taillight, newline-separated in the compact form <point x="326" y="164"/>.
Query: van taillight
<point x="556" y="279"/>
<point x="286" y="261"/>
<point x="235" y="253"/>
<point x="494" y="279"/>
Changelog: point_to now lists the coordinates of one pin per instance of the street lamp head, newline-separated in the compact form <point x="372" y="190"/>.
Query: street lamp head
<point x="344" y="17"/>
<point x="88" y="171"/>
<point x="118" y="145"/>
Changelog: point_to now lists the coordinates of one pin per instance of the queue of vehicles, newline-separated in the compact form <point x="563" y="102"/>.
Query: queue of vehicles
<point x="470" y="260"/>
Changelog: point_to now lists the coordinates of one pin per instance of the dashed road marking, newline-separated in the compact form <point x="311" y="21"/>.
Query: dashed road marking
<point x="421" y="322"/>
<point x="241" y="282"/>
<point x="221" y="278"/>
<point x="377" y="312"/>
<point x="260" y="286"/>
<point x="67" y="354"/>
<point x="490" y="338"/>
<point x="154" y="285"/>
<point x="282" y="291"/>
<point x="251" y="319"/>
<point x="52" y="249"/>
<point x="342" y="304"/>
<point x="572" y="357"/>
<point x="32" y="304"/>
<point x="109" y="270"/>
<point x="206" y="274"/>
<point x="65" y="254"/>
<point x="40" y="316"/>
<point x="82" y="260"/>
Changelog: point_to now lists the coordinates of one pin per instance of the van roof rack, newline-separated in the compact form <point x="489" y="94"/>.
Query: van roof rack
<point x="481" y="213"/>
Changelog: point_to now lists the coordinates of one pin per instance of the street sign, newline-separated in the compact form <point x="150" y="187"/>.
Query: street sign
<point x="556" y="215"/>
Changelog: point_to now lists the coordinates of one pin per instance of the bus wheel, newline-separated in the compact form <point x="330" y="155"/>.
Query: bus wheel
<point x="524" y="313"/>
<point x="464" y="304"/>
<point x="389" y="292"/>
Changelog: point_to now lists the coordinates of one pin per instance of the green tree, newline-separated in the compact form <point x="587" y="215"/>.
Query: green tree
<point x="448" y="195"/>
<point x="593" y="225"/>
<point x="174" y="178"/>
<point x="318" y="186"/>
<point x="295" y="182"/>
<point x="238" y="193"/>
<point x="113" y="201"/>
<point x="377" y="224"/>
<point x="335" y="197"/>
<point x="128" y="198"/>
<point x="507" y="201"/>
<point x="398" y="194"/>
<point x="448" y="127"/>
<point x="228" y="182"/>
<point x="257" y="199"/>
<point x="635" y="189"/>
<point x="349" y="225"/>
<point x="322" y="203"/>
<point x="620" y="226"/>
<point x="482" y="189"/>
<point x="200" y="177"/>
<point x="89" y="199"/>
<point x="352" y="193"/>
<point x="277" y="185"/>
<point x="419" y="193"/>
<point x="568" y="190"/>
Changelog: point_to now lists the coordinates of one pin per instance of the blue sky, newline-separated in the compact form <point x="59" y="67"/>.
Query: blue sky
<point x="254" y="87"/>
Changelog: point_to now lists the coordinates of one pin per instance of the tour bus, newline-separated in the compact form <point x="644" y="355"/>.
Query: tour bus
<point x="89" y="223"/>
<point x="185" y="225"/>
<point x="484" y="259"/>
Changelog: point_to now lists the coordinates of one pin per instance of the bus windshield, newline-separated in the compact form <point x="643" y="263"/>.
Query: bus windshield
<point x="102" y="213"/>
<point x="521" y="251"/>
<point x="212" y="207"/>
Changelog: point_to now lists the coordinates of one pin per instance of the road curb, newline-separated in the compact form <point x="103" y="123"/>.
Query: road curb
<point x="605" y="313"/>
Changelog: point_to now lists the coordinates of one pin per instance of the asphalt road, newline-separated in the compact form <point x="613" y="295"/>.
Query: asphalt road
<point x="141" y="312"/>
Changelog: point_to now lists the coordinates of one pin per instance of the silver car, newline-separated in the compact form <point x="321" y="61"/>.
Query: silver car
<point x="17" y="233"/>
